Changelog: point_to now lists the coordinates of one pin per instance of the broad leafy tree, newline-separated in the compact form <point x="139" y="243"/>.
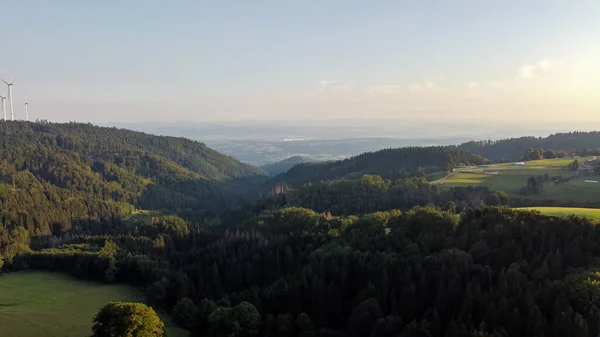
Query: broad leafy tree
<point x="127" y="319"/>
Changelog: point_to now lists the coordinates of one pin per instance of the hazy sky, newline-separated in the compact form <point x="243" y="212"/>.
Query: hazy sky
<point x="196" y="60"/>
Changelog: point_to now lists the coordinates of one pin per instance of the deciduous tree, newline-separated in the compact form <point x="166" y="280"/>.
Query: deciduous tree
<point x="127" y="319"/>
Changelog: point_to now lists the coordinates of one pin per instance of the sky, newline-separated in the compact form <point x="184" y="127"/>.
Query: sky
<point x="444" y="60"/>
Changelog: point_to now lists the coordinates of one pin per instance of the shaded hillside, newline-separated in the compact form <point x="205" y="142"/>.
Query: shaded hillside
<point x="55" y="176"/>
<point x="388" y="163"/>
<point x="512" y="149"/>
<point x="89" y="139"/>
<point x="372" y="193"/>
<point x="284" y="165"/>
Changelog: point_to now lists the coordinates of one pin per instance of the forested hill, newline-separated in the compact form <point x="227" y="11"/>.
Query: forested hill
<point x="91" y="140"/>
<point x="512" y="149"/>
<point x="387" y="163"/>
<point x="54" y="175"/>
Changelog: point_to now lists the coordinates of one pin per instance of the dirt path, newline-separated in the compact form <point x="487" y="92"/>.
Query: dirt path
<point x="439" y="181"/>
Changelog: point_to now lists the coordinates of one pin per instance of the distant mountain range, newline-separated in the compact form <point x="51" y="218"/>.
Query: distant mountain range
<point x="266" y="152"/>
<point x="265" y="142"/>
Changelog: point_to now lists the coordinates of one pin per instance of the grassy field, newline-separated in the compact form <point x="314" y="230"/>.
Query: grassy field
<point x="591" y="213"/>
<point x="556" y="163"/>
<point x="465" y="179"/>
<point x="51" y="304"/>
<point x="510" y="178"/>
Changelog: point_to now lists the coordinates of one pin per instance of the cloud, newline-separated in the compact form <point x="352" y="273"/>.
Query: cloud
<point x="549" y="64"/>
<point x="495" y="84"/>
<point x="415" y="87"/>
<point x="324" y="84"/>
<point x="333" y="85"/>
<point x="391" y="89"/>
<point x="527" y="72"/>
<point x="473" y="85"/>
<point x="421" y="86"/>
<point x="535" y="70"/>
<point x="385" y="89"/>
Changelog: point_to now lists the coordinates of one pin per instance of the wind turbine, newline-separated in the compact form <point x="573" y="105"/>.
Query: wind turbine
<point x="26" y="113"/>
<point x="3" y="105"/>
<point x="12" y="107"/>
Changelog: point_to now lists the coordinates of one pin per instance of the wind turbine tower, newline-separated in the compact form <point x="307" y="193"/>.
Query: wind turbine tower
<point x="10" y="100"/>
<point x="26" y="113"/>
<point x="3" y="106"/>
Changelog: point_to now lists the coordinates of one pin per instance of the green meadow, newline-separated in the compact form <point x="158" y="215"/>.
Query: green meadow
<point x="591" y="213"/>
<point x="35" y="304"/>
<point x="510" y="178"/>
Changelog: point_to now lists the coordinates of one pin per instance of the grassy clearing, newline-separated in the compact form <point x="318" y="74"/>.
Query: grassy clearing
<point x="576" y="190"/>
<point x="558" y="162"/>
<point x="465" y="179"/>
<point x="591" y="213"/>
<point x="36" y="304"/>
<point x="511" y="178"/>
<point x="546" y="163"/>
<point x="506" y="180"/>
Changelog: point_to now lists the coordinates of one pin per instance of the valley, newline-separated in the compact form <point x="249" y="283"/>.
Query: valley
<point x="300" y="169"/>
<point x="90" y="215"/>
<point x="264" y="152"/>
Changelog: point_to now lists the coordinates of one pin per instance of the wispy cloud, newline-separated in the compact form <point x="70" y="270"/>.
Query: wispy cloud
<point x="547" y="65"/>
<point x="385" y="89"/>
<point x="333" y="85"/>
<point x="495" y="84"/>
<point x="324" y="84"/>
<point x="428" y="85"/>
<point x="391" y="89"/>
<point x="473" y="85"/>
<point x="527" y="72"/>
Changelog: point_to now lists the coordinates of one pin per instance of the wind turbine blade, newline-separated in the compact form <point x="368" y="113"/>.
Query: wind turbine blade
<point x="4" y="81"/>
